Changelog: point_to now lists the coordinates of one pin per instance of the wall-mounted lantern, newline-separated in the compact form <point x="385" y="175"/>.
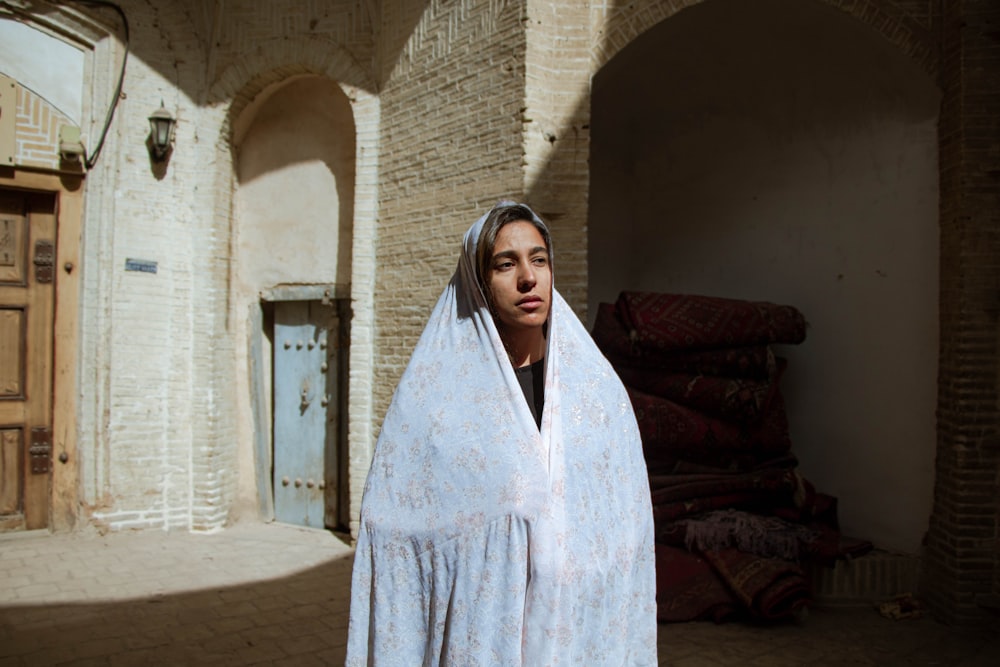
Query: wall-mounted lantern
<point x="161" y="133"/>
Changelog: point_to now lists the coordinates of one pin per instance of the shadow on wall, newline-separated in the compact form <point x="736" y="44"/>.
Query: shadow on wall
<point x="300" y="138"/>
<point x="193" y="29"/>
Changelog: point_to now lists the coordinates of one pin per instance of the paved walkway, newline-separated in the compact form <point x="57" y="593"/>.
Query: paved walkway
<point x="260" y="594"/>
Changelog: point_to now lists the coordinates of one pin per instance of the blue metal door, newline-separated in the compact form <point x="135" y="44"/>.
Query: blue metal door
<point x="306" y="413"/>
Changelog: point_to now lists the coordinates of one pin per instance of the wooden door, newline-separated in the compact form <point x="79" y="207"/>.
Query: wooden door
<point x="307" y="398"/>
<point x="27" y="278"/>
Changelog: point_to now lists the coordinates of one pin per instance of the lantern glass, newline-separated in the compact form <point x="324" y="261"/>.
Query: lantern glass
<point x="161" y="128"/>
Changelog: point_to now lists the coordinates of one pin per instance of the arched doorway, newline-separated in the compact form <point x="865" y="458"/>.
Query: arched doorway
<point x="785" y="152"/>
<point x="294" y="208"/>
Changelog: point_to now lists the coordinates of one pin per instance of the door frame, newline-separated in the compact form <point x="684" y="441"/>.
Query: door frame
<point x="64" y="499"/>
<point x="261" y="357"/>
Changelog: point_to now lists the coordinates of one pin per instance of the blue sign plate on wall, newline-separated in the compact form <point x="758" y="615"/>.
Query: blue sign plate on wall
<point x="144" y="265"/>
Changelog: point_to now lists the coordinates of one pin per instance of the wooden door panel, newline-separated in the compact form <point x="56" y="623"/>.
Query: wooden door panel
<point x="27" y="299"/>
<point x="305" y="440"/>
<point x="13" y="242"/>
<point x="12" y="324"/>
<point x="10" y="471"/>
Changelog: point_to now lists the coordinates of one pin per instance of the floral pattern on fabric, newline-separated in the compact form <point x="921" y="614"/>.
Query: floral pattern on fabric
<point x="485" y="540"/>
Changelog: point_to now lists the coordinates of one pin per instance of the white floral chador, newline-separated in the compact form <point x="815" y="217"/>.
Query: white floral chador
<point x="485" y="540"/>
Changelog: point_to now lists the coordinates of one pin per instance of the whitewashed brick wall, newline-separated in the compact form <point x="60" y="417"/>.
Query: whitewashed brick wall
<point x="444" y="129"/>
<point x="160" y="430"/>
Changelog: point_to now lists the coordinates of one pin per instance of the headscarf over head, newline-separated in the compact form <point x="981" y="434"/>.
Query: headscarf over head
<point x="486" y="540"/>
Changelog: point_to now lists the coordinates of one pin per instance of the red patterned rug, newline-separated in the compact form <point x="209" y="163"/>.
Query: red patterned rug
<point x="726" y="584"/>
<point x="736" y="399"/>
<point x="664" y="321"/>
<point x="733" y="517"/>
<point x="622" y="347"/>
<point x="672" y="432"/>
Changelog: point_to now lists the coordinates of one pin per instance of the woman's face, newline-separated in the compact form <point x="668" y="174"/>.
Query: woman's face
<point x="520" y="277"/>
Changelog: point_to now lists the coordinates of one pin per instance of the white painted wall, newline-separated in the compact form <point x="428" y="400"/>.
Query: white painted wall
<point x="780" y="151"/>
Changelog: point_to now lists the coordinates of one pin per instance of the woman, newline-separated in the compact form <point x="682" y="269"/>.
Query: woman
<point x="505" y="523"/>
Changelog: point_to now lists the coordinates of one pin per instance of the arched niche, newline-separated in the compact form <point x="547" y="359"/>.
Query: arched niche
<point x="786" y="152"/>
<point x="295" y="166"/>
<point x="295" y="185"/>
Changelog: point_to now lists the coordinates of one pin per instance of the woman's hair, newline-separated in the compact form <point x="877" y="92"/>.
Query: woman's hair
<point x="501" y="215"/>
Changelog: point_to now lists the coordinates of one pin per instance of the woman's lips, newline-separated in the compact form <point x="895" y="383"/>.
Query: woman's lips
<point x="530" y="302"/>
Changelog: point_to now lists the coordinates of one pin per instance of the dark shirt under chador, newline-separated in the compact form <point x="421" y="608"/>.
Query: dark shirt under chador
<point x="532" y="381"/>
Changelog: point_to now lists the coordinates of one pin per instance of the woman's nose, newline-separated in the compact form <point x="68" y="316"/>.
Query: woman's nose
<point x="526" y="278"/>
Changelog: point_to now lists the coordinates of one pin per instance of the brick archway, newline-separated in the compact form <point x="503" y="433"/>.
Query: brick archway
<point x="618" y="26"/>
<point x="955" y="45"/>
<point x="232" y="93"/>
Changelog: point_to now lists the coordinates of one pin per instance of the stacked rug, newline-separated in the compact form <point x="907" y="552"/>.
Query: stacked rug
<point x="735" y="521"/>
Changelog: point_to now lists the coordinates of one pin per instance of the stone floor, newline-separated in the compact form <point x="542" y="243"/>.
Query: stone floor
<point x="259" y="594"/>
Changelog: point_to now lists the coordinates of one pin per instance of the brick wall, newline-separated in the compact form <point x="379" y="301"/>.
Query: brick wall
<point x="450" y="148"/>
<point x="961" y="573"/>
<point x="556" y="134"/>
<point x="162" y="450"/>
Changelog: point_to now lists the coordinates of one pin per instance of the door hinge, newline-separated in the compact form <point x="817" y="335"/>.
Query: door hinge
<point x="45" y="260"/>
<point x="41" y="450"/>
